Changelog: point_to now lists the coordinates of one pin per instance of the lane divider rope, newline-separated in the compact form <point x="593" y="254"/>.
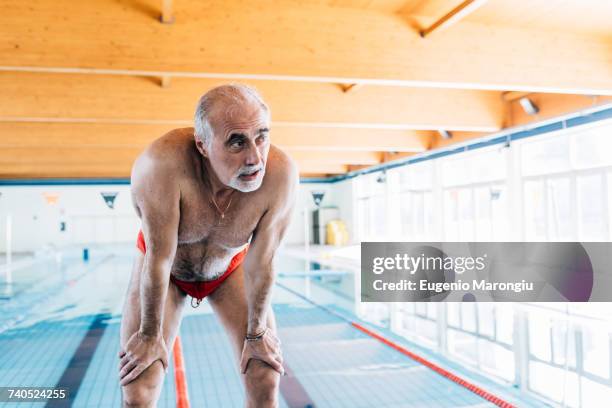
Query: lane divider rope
<point x="180" y="379"/>
<point x="442" y="371"/>
<point x="454" y="378"/>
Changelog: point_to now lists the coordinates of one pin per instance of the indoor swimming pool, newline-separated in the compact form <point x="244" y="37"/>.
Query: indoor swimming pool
<point x="60" y="319"/>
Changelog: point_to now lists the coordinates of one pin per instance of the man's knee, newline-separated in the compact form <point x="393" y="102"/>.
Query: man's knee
<point x="143" y="391"/>
<point x="262" y="381"/>
<point x="137" y="395"/>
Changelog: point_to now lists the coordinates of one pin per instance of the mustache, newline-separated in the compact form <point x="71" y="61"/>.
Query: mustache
<point x="249" y="169"/>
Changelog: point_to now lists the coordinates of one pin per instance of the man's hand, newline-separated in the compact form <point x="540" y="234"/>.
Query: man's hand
<point x="266" y="349"/>
<point x="140" y="352"/>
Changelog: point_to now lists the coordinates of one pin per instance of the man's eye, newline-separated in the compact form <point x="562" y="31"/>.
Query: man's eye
<point x="237" y="143"/>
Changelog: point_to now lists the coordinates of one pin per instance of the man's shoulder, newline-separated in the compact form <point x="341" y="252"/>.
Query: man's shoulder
<point x="172" y="145"/>
<point x="161" y="169"/>
<point x="172" y="151"/>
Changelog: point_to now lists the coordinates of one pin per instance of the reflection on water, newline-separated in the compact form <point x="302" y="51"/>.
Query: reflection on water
<point x="321" y="283"/>
<point x="331" y="286"/>
<point x="65" y="287"/>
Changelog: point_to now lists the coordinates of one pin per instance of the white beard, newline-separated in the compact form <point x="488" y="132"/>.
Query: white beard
<point x="247" y="186"/>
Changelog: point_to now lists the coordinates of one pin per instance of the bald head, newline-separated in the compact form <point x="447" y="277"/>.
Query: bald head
<point x="224" y="99"/>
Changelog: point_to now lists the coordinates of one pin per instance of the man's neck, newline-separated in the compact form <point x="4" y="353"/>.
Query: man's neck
<point x="210" y="179"/>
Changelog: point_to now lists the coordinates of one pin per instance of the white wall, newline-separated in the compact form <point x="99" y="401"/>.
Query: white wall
<point x="35" y="223"/>
<point x="336" y="194"/>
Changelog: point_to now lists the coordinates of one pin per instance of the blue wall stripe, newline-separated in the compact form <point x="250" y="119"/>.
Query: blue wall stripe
<point x="63" y="182"/>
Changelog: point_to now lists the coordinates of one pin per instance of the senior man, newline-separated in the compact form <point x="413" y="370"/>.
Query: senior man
<point x="214" y="201"/>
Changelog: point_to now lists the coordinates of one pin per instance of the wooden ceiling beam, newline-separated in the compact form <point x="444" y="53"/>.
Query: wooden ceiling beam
<point x="346" y="88"/>
<point x="452" y="17"/>
<point x="165" y="81"/>
<point x="71" y="162"/>
<point x="388" y="52"/>
<point x="100" y="135"/>
<point x="109" y="156"/>
<point x="513" y="96"/>
<point x="344" y="157"/>
<point x="46" y="170"/>
<point x="321" y="168"/>
<point x="355" y="167"/>
<point x="551" y="106"/>
<point x="313" y="175"/>
<point x="167" y="16"/>
<point x="122" y="156"/>
<point x="391" y="156"/>
<point x="126" y="99"/>
<point x="122" y="170"/>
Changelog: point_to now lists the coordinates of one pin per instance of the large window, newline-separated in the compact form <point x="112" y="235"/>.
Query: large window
<point x="566" y="185"/>
<point x="371" y="207"/>
<point x="568" y="352"/>
<point x="481" y="334"/>
<point x="548" y="209"/>
<point x="556" y="187"/>
<point x="475" y="196"/>
<point x="417" y="321"/>
<point x="411" y="199"/>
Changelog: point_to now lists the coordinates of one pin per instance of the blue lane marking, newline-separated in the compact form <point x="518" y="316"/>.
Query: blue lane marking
<point x="293" y="392"/>
<point x="78" y="365"/>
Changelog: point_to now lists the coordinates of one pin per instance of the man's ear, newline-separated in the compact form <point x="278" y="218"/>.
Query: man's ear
<point x="200" y="146"/>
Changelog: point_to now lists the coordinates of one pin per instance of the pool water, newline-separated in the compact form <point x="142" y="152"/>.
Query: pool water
<point x="60" y="319"/>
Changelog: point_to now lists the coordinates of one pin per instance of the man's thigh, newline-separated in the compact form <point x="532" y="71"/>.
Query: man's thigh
<point x="230" y="304"/>
<point x="152" y="378"/>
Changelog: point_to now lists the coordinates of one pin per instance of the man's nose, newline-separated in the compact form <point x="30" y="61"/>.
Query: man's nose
<point x="253" y="156"/>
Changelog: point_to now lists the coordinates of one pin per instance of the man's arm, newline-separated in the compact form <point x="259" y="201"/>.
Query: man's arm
<point x="158" y="197"/>
<point x="156" y="194"/>
<point x="259" y="274"/>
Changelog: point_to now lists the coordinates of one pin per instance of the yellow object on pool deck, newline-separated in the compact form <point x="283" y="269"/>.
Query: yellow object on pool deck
<point x="336" y="233"/>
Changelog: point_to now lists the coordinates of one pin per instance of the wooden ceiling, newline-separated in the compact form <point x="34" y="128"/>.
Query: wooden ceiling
<point x="351" y="83"/>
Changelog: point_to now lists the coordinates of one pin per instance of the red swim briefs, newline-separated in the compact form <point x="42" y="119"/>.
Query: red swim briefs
<point x="200" y="289"/>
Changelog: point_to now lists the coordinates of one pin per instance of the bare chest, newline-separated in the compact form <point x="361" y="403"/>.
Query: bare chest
<point x="206" y="242"/>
